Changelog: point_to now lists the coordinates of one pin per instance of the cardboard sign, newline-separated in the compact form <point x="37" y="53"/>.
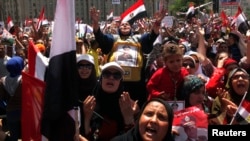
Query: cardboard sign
<point x="167" y="21"/>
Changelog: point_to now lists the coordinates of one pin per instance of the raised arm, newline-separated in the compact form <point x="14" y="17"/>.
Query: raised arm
<point x="105" y="40"/>
<point x="158" y="16"/>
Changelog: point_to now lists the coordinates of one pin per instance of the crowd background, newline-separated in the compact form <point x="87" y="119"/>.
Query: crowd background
<point x="202" y="59"/>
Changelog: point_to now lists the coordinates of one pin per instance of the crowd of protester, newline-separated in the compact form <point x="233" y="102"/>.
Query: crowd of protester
<point x="126" y="99"/>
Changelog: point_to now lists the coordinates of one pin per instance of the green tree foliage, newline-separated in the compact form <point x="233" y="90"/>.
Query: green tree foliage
<point x="247" y="13"/>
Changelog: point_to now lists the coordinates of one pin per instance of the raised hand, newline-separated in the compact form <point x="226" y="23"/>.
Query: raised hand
<point x="222" y="94"/>
<point x="89" y="106"/>
<point x="158" y="16"/>
<point x="231" y="107"/>
<point x="127" y="106"/>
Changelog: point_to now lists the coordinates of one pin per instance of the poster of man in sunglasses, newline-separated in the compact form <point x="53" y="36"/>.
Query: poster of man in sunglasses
<point x="126" y="55"/>
<point x="191" y="124"/>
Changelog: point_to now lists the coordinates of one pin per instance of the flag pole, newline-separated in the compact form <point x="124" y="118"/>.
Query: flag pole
<point x="243" y="98"/>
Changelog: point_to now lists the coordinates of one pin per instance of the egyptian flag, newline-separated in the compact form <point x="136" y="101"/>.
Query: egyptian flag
<point x="224" y="18"/>
<point x="60" y="115"/>
<point x="243" y="114"/>
<point x="225" y="21"/>
<point x="33" y="88"/>
<point x="191" y="12"/>
<point x="9" y="23"/>
<point x="240" y="21"/>
<point x="110" y="16"/>
<point x="40" y="19"/>
<point x="135" y="12"/>
<point x="37" y="62"/>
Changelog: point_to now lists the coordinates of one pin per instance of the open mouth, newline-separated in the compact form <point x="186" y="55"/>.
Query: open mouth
<point x="241" y="85"/>
<point x="150" y="131"/>
<point x="110" y="84"/>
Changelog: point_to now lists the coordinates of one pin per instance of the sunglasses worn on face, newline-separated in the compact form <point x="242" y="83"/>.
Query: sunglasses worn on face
<point x="115" y="75"/>
<point x="191" y="65"/>
<point x="86" y="66"/>
<point x="236" y="77"/>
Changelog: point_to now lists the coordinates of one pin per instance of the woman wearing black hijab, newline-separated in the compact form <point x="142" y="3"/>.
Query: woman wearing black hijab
<point x="108" y="111"/>
<point x="154" y="123"/>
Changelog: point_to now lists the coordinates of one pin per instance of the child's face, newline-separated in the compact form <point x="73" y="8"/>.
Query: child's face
<point x="174" y="62"/>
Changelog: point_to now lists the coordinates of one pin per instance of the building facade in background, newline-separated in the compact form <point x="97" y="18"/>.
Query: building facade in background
<point x="19" y="10"/>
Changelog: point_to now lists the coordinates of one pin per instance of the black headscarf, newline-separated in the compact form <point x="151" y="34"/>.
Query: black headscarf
<point x="107" y="104"/>
<point x="134" y="135"/>
<point x="86" y="86"/>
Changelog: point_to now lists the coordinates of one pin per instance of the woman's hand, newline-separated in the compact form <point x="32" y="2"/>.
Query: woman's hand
<point x="128" y="107"/>
<point x="158" y="16"/>
<point x="222" y="94"/>
<point x="88" y="107"/>
<point x="231" y="107"/>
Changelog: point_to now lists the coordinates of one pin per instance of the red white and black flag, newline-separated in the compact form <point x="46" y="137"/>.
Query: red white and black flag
<point x="191" y="11"/>
<point x="40" y="19"/>
<point x="33" y="88"/>
<point x="60" y="115"/>
<point x="37" y="62"/>
<point x="135" y="12"/>
<point x="224" y="18"/>
<point x="240" y="21"/>
<point x="110" y="15"/>
<point x="242" y="114"/>
<point x="10" y="23"/>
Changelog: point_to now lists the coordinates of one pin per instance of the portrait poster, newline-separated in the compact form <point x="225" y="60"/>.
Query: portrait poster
<point x="177" y="105"/>
<point x="191" y="124"/>
<point x="126" y="55"/>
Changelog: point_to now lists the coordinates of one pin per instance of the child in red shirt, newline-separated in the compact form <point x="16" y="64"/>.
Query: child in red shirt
<point x="167" y="82"/>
